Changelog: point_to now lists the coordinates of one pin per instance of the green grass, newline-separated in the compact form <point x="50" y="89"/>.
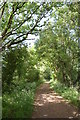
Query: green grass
<point x="19" y="103"/>
<point x="68" y="93"/>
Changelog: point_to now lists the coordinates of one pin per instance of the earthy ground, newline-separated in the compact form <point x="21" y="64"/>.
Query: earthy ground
<point x="49" y="104"/>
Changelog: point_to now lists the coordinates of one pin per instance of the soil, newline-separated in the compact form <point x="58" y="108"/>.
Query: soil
<point x="49" y="104"/>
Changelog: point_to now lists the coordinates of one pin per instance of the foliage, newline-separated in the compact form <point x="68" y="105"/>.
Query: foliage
<point x="55" y="54"/>
<point x="69" y="93"/>
<point x="9" y="65"/>
<point x="18" y="64"/>
<point x="20" y="19"/>
<point x="20" y="82"/>
<point x="47" y="74"/>
<point x="19" y="102"/>
<point x="58" y="45"/>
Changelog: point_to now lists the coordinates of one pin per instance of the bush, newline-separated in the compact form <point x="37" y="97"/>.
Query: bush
<point x="13" y="60"/>
<point x="47" y="74"/>
<point x="18" y="64"/>
<point x="69" y="93"/>
<point x="33" y="75"/>
<point x="19" y="104"/>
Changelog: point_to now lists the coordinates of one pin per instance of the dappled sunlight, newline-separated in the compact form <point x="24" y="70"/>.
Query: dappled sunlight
<point x="38" y="104"/>
<point x="49" y="104"/>
<point x="50" y="98"/>
<point x="39" y="45"/>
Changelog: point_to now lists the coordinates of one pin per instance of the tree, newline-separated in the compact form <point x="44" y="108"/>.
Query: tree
<point x="58" y="44"/>
<point x="20" y="19"/>
<point x="78" y="78"/>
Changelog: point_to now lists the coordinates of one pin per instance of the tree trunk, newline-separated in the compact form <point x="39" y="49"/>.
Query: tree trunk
<point x="78" y="78"/>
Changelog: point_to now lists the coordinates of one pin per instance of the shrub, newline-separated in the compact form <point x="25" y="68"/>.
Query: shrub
<point x="47" y="74"/>
<point x="69" y="93"/>
<point x="19" y="104"/>
<point x="33" y="75"/>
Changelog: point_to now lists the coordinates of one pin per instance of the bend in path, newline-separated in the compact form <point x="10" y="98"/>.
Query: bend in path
<point x="49" y="104"/>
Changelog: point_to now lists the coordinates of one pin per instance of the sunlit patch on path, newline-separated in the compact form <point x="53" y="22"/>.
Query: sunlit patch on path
<point x="49" y="104"/>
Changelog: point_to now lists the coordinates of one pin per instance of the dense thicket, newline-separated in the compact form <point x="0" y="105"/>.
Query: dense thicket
<point x="58" y="44"/>
<point x="19" y="64"/>
<point x="62" y="57"/>
<point x="20" y="78"/>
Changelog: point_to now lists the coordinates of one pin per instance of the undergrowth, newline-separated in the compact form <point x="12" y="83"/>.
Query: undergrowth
<point x="69" y="93"/>
<point x="19" y="103"/>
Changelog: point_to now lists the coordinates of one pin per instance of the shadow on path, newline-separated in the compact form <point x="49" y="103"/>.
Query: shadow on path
<point x="49" y="104"/>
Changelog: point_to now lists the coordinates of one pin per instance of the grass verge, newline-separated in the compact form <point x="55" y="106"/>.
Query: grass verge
<point x="19" y="103"/>
<point x="68" y="93"/>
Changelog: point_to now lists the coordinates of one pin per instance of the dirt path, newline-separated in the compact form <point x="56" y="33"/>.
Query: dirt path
<point x="49" y="104"/>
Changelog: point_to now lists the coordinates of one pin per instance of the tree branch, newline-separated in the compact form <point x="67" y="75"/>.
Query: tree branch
<point x="24" y="38"/>
<point x="2" y="10"/>
<point x="10" y="19"/>
<point x="20" y="24"/>
<point x="9" y="23"/>
<point x="20" y="38"/>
